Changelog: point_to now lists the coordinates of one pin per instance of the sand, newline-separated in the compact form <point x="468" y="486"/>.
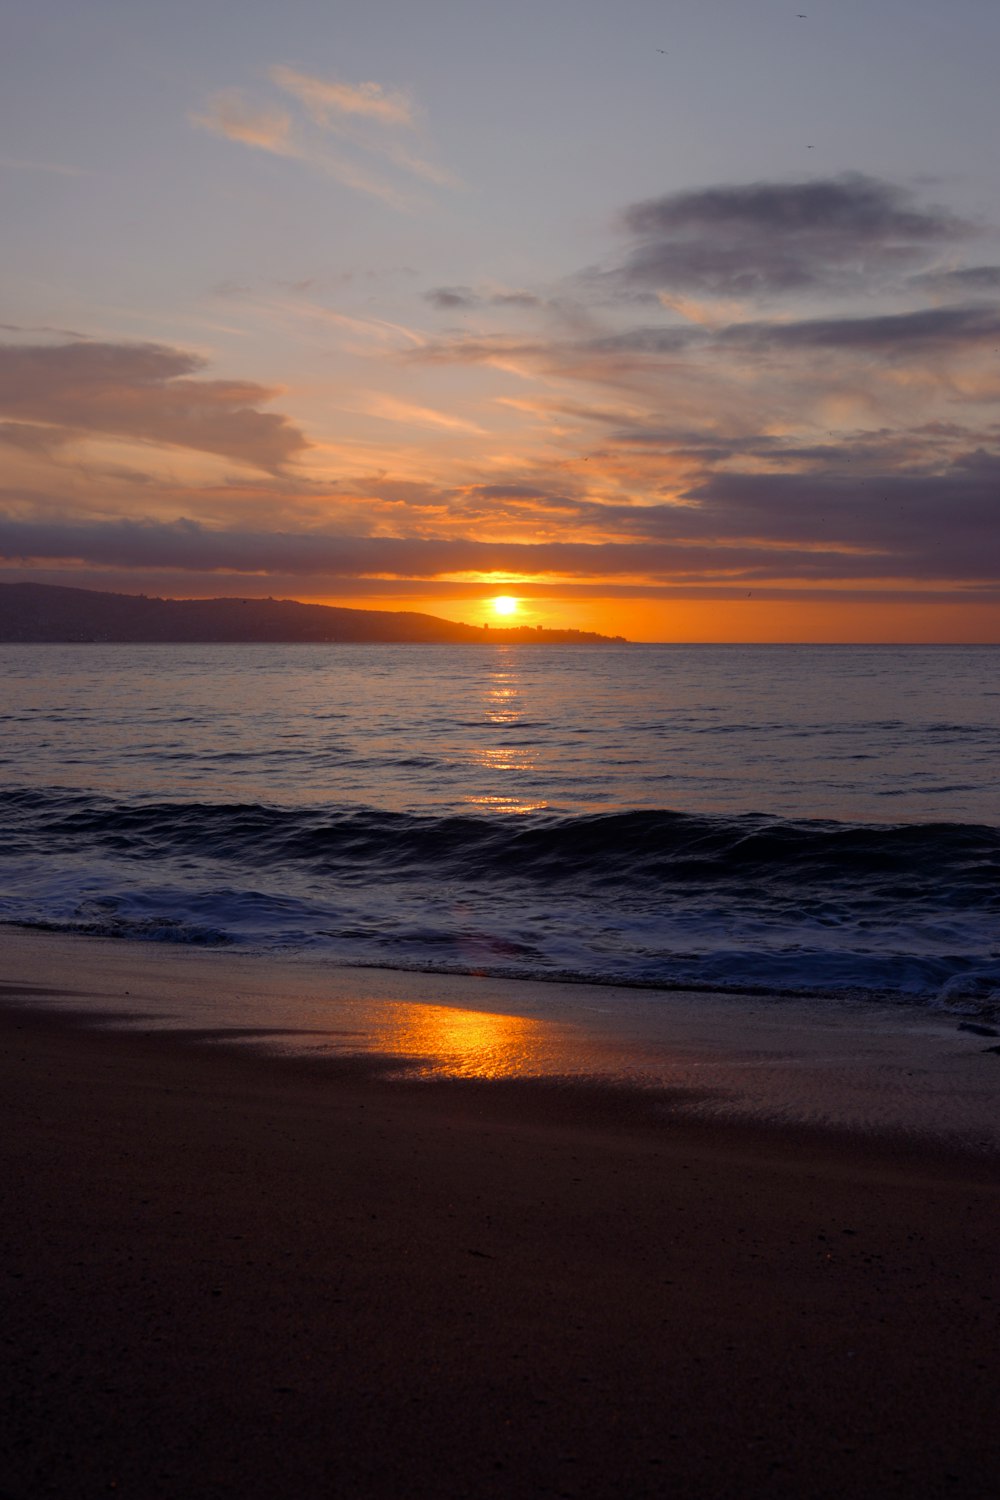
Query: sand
<point x="231" y="1271"/>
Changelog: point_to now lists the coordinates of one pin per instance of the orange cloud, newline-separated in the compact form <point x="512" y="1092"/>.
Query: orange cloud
<point x="325" y="99"/>
<point x="366" y="118"/>
<point x="229" y="114"/>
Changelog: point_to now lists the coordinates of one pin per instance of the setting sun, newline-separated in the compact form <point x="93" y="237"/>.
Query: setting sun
<point x="505" y="604"/>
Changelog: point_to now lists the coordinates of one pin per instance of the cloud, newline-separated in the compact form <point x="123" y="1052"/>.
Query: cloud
<point x="448" y="298"/>
<point x="185" y="544"/>
<point x="929" y="329"/>
<point x="391" y="409"/>
<point x="821" y="524"/>
<point x="365" y="119"/>
<point x="916" y="525"/>
<point x="769" y="238"/>
<point x="730" y="362"/>
<point x="656" y="340"/>
<point x="326" y="100"/>
<point x="487" y="349"/>
<point x="688" y="354"/>
<point x="718" y="442"/>
<point x="514" y="299"/>
<point x="367" y="115"/>
<point x="508" y="492"/>
<point x="63" y="333"/>
<point x="32" y="438"/>
<point x="416" y="593"/>
<point x="229" y="114"/>
<point x="970" y="279"/>
<point x="379" y="330"/>
<point x="44" y="166"/>
<point x="922" y="331"/>
<point x="144" y="391"/>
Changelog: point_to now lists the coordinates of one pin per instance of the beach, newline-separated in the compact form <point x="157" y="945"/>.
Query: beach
<point x="499" y="712"/>
<point x="274" y="1268"/>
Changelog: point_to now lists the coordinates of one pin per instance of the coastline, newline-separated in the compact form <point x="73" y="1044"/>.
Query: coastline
<point x="894" y="1069"/>
<point x="231" y="1268"/>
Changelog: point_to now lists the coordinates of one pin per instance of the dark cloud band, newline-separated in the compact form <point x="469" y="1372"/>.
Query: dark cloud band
<point x="772" y="237"/>
<point x="751" y="526"/>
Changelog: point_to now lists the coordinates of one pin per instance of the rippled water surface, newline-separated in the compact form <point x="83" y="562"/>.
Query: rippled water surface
<point x="833" y="732"/>
<point x="818" y="818"/>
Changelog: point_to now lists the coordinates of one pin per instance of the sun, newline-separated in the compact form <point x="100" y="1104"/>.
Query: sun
<point x="506" y="604"/>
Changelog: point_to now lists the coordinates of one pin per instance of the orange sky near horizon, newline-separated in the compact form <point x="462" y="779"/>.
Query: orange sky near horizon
<point x="748" y="620"/>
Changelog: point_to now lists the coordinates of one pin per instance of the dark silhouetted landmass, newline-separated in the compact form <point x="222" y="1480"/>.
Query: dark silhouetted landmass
<point x="43" y="612"/>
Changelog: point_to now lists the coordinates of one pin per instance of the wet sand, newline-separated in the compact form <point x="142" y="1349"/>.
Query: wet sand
<point x="226" y="1271"/>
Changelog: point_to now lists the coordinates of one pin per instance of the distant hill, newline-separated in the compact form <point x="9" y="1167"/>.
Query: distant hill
<point x="43" y="612"/>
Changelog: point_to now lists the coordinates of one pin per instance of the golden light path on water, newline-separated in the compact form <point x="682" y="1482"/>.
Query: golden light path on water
<point x="507" y="761"/>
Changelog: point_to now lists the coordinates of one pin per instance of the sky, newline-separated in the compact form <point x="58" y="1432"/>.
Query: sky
<point x="679" y="321"/>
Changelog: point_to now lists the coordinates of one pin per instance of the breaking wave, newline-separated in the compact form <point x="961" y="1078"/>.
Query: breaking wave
<point x="655" y="897"/>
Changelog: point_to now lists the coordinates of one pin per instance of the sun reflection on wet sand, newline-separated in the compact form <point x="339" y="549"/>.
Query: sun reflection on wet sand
<point x="419" y="1039"/>
<point x="430" y="1040"/>
<point x="722" y="1056"/>
<point x="449" y="1043"/>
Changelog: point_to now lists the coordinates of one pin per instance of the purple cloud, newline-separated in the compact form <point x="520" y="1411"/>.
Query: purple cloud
<point x="773" y="238"/>
<point x="144" y="391"/>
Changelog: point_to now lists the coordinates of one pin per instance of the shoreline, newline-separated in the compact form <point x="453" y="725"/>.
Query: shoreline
<point x="845" y="1065"/>
<point x="234" y="1270"/>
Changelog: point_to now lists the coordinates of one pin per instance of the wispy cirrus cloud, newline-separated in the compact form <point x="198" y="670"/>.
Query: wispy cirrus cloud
<point x="459" y="298"/>
<point x="964" y="281"/>
<point x="327" y="100"/>
<point x="229" y="113"/>
<point x="63" y="333"/>
<point x="337" y="128"/>
<point x="58" y="169"/>
<point x="377" y="121"/>
<point x="893" y="335"/>
<point x="392" y="409"/>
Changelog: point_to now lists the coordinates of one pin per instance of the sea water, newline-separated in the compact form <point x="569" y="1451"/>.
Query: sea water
<point x="818" y="820"/>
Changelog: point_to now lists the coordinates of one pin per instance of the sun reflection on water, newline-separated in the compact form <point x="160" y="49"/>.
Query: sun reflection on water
<point x="501" y="705"/>
<point x="507" y="759"/>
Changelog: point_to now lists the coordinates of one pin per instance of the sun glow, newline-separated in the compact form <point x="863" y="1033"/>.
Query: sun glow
<point x="505" y="604"/>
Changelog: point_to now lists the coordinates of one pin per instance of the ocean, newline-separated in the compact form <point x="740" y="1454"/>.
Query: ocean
<point x="821" y="821"/>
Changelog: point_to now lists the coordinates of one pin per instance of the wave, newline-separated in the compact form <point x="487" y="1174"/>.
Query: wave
<point x="962" y="860"/>
<point x="664" y="898"/>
